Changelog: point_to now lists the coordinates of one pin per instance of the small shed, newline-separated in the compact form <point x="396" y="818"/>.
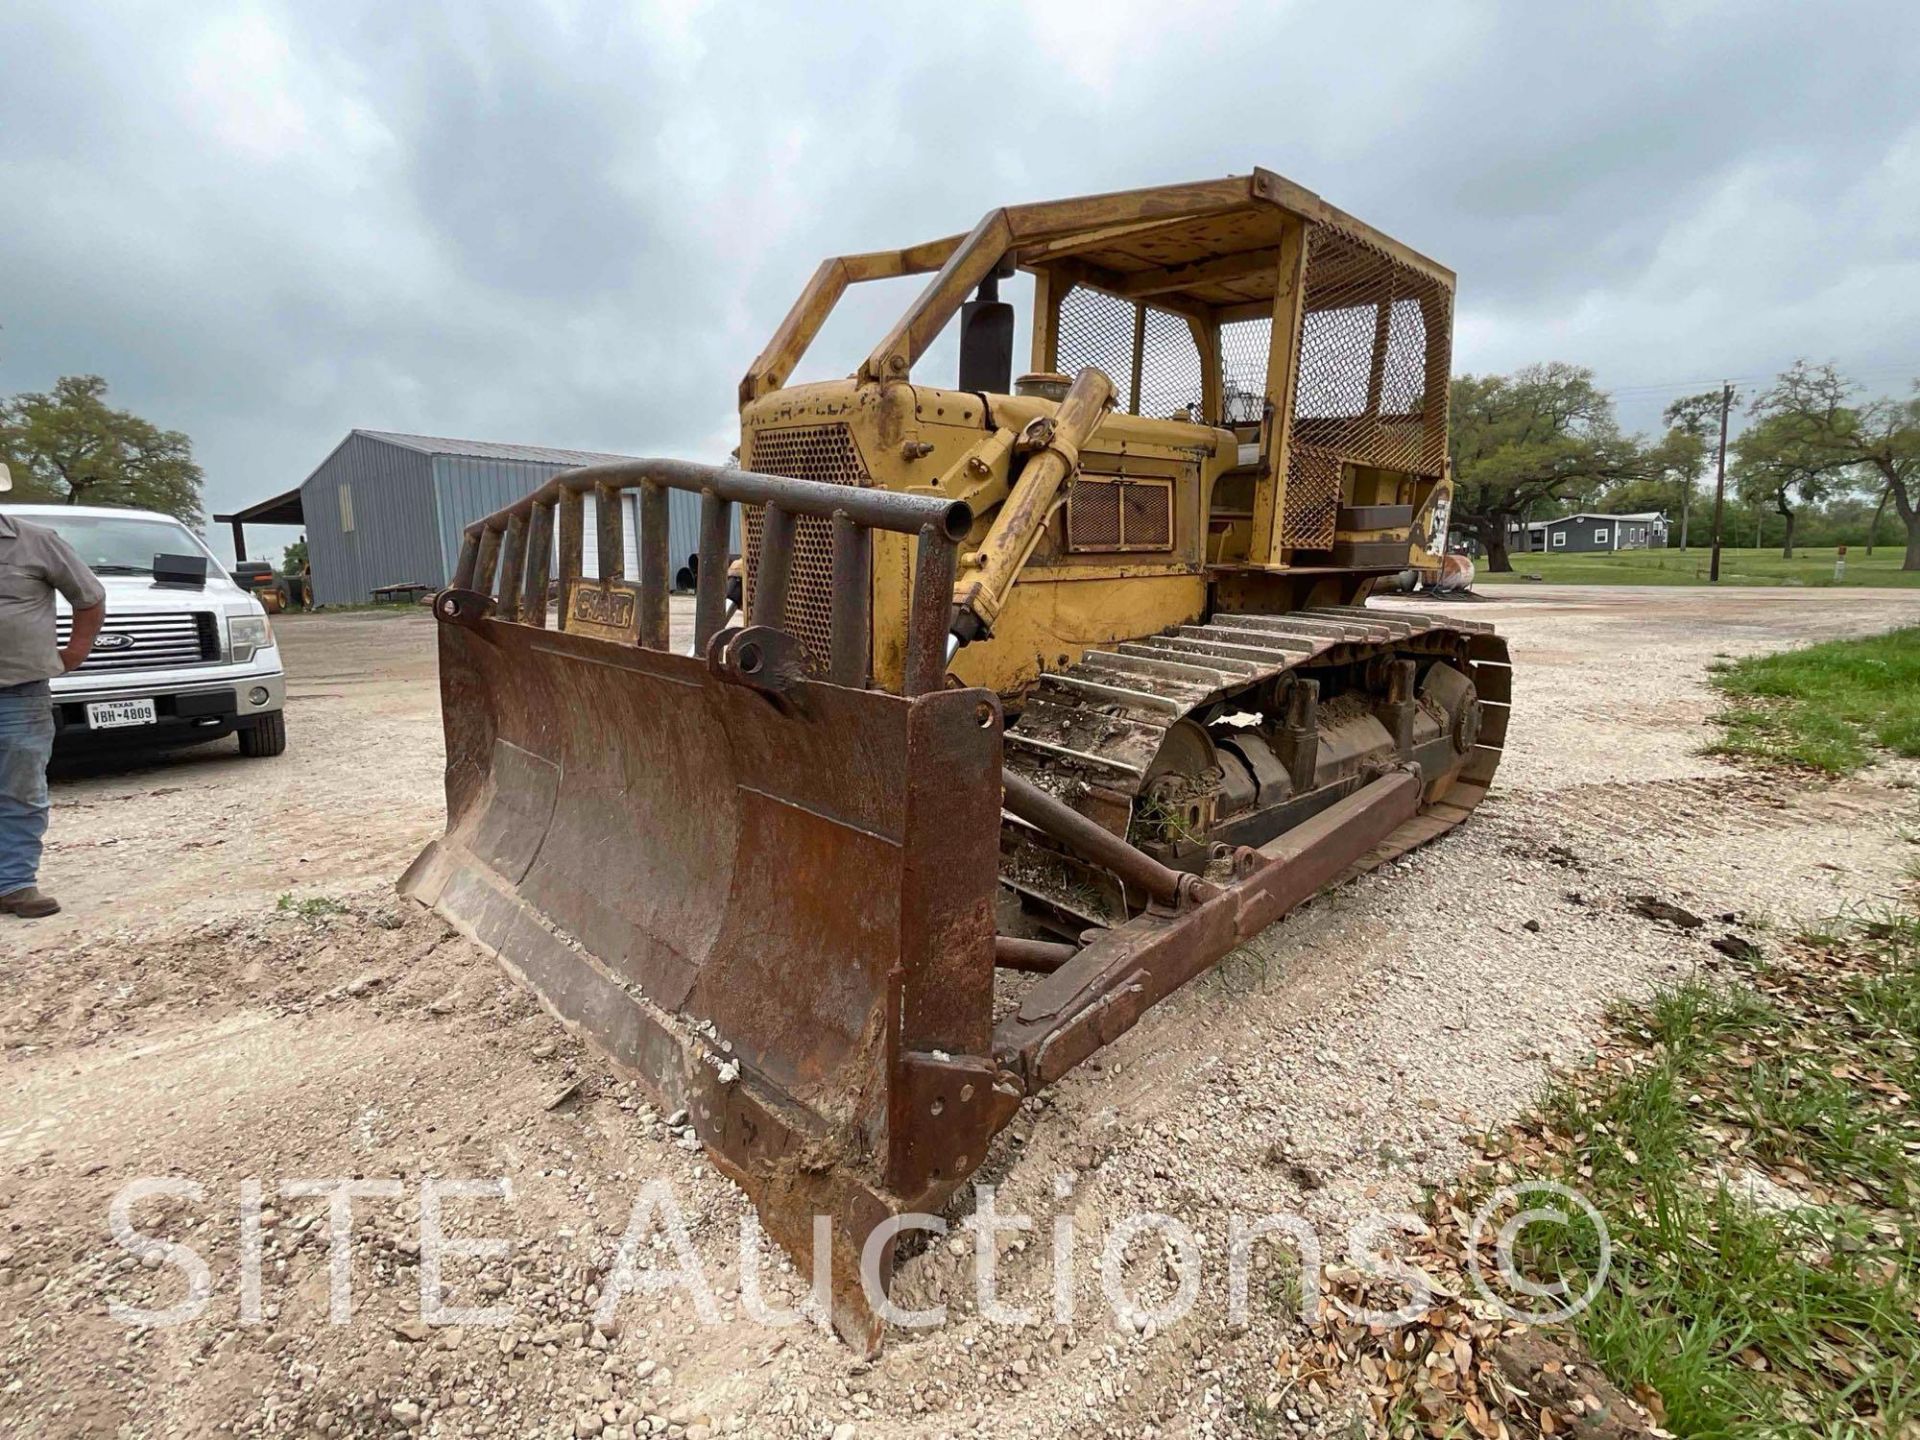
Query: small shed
<point x="388" y="509"/>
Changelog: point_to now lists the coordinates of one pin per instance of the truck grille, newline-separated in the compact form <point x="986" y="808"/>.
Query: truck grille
<point x="805" y="452"/>
<point x="149" y="642"/>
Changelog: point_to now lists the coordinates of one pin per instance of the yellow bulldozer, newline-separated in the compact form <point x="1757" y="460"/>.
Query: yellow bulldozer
<point x="1028" y="701"/>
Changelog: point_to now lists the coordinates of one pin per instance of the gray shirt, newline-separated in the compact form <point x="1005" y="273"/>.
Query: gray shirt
<point x="35" y="562"/>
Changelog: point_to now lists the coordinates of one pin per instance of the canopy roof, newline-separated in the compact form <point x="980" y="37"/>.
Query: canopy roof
<point x="1217" y="248"/>
<point x="1212" y="250"/>
<point x="282" y="509"/>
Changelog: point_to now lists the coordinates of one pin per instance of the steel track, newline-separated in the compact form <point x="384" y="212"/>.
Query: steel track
<point x="1098" y="726"/>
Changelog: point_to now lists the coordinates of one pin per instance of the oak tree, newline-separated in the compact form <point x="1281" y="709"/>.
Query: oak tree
<point x="69" y="446"/>
<point x="1543" y="433"/>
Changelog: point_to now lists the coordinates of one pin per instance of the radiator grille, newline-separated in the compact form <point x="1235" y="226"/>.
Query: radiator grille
<point x="1108" y="515"/>
<point x="805" y="452"/>
<point x="148" y="642"/>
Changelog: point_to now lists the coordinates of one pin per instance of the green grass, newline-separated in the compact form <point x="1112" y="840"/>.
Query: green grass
<point x="1833" y="707"/>
<point x="1813" y="567"/>
<point x="1749" y="1321"/>
<point x="313" y="907"/>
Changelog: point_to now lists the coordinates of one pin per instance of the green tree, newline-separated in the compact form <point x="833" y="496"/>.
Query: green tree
<point x="1879" y="440"/>
<point x="1777" y="471"/>
<point x="1630" y="497"/>
<point x="294" y="560"/>
<point x="70" y="446"/>
<point x="1541" y="434"/>
<point x="1803" y="444"/>
<point x="1693" y="421"/>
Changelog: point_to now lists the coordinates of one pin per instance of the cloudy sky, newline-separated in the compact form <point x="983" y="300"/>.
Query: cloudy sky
<point x="574" y="224"/>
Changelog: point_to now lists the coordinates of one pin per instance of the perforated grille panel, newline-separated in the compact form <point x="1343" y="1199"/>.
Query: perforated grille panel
<point x="808" y="452"/>
<point x="805" y="452"/>
<point x="1108" y="515"/>
<point x="1375" y="348"/>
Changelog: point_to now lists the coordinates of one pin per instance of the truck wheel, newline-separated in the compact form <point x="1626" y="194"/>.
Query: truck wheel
<point x="267" y="737"/>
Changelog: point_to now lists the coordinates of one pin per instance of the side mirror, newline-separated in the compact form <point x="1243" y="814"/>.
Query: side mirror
<point x="6" y="479"/>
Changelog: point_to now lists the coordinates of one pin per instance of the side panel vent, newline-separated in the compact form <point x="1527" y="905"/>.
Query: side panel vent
<point x="1107" y="515"/>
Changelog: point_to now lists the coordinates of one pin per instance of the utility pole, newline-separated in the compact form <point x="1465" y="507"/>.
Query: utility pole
<point x="1720" y="483"/>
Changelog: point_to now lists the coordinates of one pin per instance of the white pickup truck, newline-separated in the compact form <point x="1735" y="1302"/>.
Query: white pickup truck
<point x="184" y="656"/>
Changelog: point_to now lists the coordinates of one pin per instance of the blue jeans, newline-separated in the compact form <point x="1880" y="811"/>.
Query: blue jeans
<point x="26" y="742"/>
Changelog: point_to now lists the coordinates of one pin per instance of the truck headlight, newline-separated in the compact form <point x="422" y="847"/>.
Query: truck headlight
<point x="247" y="634"/>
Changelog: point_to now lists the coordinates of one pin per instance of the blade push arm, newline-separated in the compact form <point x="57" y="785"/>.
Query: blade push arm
<point x="1053" y="443"/>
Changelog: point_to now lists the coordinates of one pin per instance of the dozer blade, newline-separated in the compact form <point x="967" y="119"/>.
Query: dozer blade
<point x="775" y="913"/>
<point x="769" y="896"/>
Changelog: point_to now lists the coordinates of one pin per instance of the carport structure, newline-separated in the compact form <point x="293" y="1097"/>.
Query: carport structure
<point x="282" y="509"/>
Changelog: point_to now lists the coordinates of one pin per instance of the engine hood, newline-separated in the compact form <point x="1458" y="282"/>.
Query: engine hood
<point x="141" y="595"/>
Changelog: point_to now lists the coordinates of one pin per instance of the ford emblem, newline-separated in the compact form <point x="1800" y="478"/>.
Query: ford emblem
<point x="113" y="642"/>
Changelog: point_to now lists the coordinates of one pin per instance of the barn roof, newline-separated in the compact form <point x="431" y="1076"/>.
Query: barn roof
<point x="489" y="449"/>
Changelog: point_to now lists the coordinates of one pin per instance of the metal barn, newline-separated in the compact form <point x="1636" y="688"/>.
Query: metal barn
<point x="389" y="509"/>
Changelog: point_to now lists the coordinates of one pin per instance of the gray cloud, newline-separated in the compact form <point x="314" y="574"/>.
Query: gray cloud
<point x="574" y="224"/>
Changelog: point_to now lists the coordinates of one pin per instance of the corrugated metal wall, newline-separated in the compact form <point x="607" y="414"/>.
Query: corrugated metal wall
<point x="409" y="510"/>
<point x="386" y="491"/>
<point x="469" y="488"/>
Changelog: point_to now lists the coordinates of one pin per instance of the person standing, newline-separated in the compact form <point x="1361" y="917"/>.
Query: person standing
<point x="34" y="563"/>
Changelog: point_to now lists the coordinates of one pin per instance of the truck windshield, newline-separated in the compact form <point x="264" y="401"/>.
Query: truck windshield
<point x="111" y="545"/>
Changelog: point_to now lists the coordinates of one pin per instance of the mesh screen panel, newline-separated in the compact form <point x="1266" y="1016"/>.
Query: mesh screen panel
<point x="1169" y="368"/>
<point x="1146" y="516"/>
<point x="805" y="452"/>
<point x="1243" y="369"/>
<point x="1313" y="499"/>
<point x="1093" y="515"/>
<point x="1375" y="347"/>
<point x="1097" y="329"/>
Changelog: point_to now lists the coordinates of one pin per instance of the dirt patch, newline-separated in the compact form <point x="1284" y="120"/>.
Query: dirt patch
<point x="180" y="1022"/>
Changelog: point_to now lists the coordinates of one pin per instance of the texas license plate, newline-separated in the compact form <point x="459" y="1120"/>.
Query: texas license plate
<point x="113" y="714"/>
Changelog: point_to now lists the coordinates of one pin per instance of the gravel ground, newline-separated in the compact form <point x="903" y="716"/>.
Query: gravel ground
<point x="180" y="1020"/>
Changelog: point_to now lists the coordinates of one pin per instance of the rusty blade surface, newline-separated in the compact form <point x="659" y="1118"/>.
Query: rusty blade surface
<point x="778" y="911"/>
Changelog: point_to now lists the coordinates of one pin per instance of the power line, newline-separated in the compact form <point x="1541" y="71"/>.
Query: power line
<point x="1882" y="371"/>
